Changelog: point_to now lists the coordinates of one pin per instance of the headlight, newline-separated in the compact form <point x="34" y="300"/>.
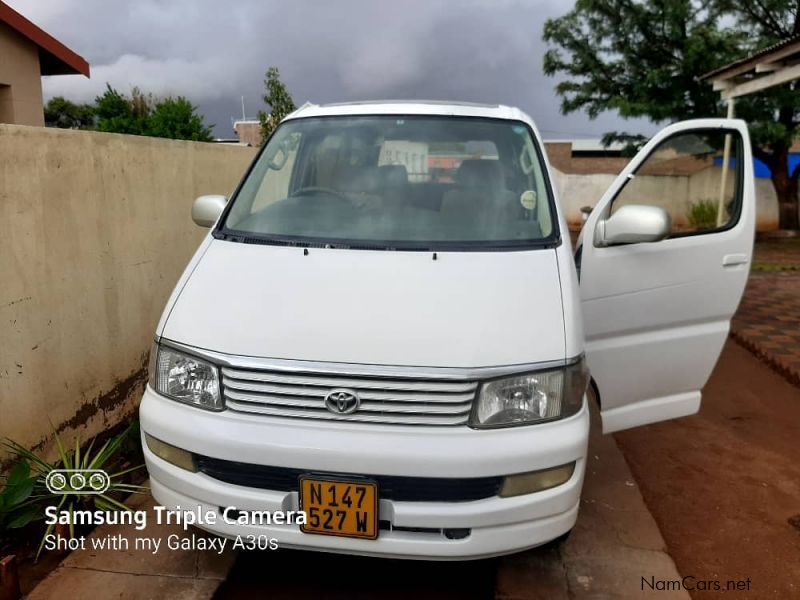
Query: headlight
<point x="531" y="398"/>
<point x="186" y="378"/>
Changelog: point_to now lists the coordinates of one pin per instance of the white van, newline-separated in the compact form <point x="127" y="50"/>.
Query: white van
<point x="387" y="327"/>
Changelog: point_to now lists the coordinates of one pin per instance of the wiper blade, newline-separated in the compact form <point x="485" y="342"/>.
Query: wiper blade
<point x="306" y="243"/>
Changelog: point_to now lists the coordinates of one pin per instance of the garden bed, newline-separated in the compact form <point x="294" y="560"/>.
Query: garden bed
<point x="23" y="543"/>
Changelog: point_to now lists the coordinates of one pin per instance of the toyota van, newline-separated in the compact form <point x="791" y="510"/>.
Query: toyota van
<point x="387" y="327"/>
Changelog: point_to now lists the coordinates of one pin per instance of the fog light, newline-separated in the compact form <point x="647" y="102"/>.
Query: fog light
<point x="536" y="481"/>
<point x="172" y="454"/>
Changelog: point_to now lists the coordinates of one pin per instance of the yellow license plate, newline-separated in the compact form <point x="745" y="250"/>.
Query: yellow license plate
<point x="338" y="507"/>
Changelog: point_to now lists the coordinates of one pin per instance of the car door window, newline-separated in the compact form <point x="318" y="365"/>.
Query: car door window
<point x="688" y="176"/>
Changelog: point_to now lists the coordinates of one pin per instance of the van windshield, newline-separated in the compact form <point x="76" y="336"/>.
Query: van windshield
<point x="396" y="182"/>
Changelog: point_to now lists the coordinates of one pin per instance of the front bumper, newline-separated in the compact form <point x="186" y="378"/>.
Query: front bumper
<point x="497" y="525"/>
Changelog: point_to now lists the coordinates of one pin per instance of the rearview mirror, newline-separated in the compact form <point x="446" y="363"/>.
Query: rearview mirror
<point x="633" y="224"/>
<point x="207" y="209"/>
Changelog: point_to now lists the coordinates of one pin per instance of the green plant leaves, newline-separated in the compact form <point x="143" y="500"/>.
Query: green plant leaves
<point x="18" y="493"/>
<point x="24" y="496"/>
<point x="17" y="508"/>
<point x="19" y="473"/>
<point x="19" y="486"/>
<point x="24" y="517"/>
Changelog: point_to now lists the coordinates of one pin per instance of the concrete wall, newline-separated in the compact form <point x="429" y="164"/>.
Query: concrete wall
<point x="95" y="229"/>
<point x="20" y="79"/>
<point x="578" y="190"/>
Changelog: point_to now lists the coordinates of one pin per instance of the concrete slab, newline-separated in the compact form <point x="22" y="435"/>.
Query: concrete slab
<point x="614" y="546"/>
<point x="67" y="582"/>
<point x="143" y="561"/>
<point x="138" y="572"/>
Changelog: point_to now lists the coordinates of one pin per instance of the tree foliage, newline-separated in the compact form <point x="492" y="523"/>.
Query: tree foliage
<point x="278" y="98"/>
<point x="177" y="118"/>
<point x="62" y="113"/>
<point x="138" y="114"/>
<point x="645" y="59"/>
<point x="118" y="113"/>
<point x="142" y="114"/>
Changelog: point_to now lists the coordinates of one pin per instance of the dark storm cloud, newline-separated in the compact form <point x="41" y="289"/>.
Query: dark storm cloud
<point x="215" y="52"/>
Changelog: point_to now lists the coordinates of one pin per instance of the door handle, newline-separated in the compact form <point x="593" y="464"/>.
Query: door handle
<point x="731" y="260"/>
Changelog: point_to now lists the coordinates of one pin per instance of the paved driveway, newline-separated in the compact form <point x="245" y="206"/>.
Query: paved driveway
<point x="768" y="319"/>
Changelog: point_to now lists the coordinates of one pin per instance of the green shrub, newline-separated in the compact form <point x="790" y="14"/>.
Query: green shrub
<point x="703" y="214"/>
<point x="25" y="495"/>
<point x="18" y="503"/>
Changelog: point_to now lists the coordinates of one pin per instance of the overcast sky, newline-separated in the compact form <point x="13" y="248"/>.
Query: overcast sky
<point x="327" y="51"/>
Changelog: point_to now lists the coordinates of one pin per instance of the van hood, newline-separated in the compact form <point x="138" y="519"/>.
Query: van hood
<point x="461" y="309"/>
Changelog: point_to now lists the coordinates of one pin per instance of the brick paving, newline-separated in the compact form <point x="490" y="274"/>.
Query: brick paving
<point x="768" y="320"/>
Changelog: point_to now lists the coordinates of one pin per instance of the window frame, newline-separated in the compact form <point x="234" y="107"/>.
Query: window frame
<point x="739" y="196"/>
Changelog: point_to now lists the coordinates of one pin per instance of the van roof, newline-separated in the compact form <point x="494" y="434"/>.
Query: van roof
<point x="409" y="107"/>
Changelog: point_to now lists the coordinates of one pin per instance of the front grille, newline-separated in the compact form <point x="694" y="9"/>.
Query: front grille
<point x="391" y="400"/>
<point x="391" y="487"/>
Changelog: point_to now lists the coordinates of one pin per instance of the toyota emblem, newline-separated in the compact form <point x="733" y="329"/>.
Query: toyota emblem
<point x="342" y="402"/>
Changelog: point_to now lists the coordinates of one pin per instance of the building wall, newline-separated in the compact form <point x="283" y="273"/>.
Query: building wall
<point x="248" y="132"/>
<point x="20" y="80"/>
<point x="95" y="230"/>
<point x="412" y="155"/>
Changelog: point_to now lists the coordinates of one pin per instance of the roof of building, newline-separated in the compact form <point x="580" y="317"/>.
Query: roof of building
<point x="410" y="107"/>
<point x="588" y="144"/>
<point x="54" y="57"/>
<point x="791" y="44"/>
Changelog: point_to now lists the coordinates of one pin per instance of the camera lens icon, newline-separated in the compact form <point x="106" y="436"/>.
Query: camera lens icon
<point x="98" y="482"/>
<point x="56" y="482"/>
<point x="77" y="481"/>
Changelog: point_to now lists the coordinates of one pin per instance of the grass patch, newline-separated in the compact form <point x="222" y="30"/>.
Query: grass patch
<point x="766" y="267"/>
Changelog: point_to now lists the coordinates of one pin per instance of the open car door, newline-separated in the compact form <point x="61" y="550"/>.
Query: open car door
<point x="663" y="263"/>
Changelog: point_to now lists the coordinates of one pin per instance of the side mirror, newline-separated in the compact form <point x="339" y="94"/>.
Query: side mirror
<point x="207" y="209"/>
<point x="632" y="224"/>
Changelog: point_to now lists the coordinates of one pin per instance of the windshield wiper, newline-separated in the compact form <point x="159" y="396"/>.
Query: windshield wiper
<point x="267" y="240"/>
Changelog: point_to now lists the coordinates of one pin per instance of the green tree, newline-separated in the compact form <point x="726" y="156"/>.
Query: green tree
<point x="142" y="114"/>
<point x="62" y="113"/>
<point x="118" y="113"/>
<point x="177" y="118"/>
<point x="774" y="114"/>
<point x="644" y="59"/>
<point x="277" y="97"/>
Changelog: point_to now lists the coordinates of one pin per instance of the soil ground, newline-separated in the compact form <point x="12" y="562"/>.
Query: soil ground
<point x="724" y="485"/>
